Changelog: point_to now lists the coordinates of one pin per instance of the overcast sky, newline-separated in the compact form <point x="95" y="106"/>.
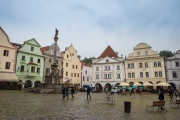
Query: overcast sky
<point x="92" y="25"/>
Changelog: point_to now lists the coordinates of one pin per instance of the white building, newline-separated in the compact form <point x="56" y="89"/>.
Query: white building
<point x="108" y="70"/>
<point x="86" y="72"/>
<point x="173" y="70"/>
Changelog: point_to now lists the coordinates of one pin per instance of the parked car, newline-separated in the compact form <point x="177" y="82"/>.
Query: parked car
<point x="114" y="90"/>
<point x="95" y="89"/>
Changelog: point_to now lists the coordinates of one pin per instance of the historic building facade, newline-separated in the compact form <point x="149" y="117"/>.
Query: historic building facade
<point x="48" y="52"/>
<point x="108" y="70"/>
<point x="71" y="66"/>
<point x="86" y="77"/>
<point x="7" y="59"/>
<point x="144" y="65"/>
<point x="173" y="70"/>
<point x="30" y="63"/>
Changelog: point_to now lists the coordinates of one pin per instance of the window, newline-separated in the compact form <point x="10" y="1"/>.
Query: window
<point x="105" y="68"/>
<point x="97" y="76"/>
<point x="32" y="48"/>
<point x="141" y="74"/>
<point x="97" y="68"/>
<point x="73" y="66"/>
<point x="105" y="76"/>
<point x="133" y="75"/>
<point x="56" y="61"/>
<point x="155" y="64"/>
<point x="76" y="66"/>
<point x="129" y="75"/>
<point x="6" y="53"/>
<point x="66" y="64"/>
<point x="129" y="66"/>
<point x="83" y="78"/>
<point x="74" y="74"/>
<point x="67" y="56"/>
<point x="147" y="74"/>
<point x="109" y="76"/>
<point x="50" y="60"/>
<point x="174" y="74"/>
<point x="39" y="60"/>
<point x="146" y="52"/>
<point x="140" y="65"/>
<point x="159" y="63"/>
<point x="107" y="60"/>
<point x="78" y="75"/>
<point x="118" y="67"/>
<point x="146" y="64"/>
<point x="118" y="76"/>
<point x="132" y="65"/>
<point x="38" y="70"/>
<point x="66" y="73"/>
<point x="71" y="74"/>
<point x="49" y="70"/>
<point x="177" y="64"/>
<point x="160" y="74"/>
<point x="33" y="69"/>
<point x="31" y="59"/>
<point x="86" y="72"/>
<point x="108" y="67"/>
<point x="22" y="68"/>
<point x="156" y="74"/>
<point x="138" y="53"/>
<point x="23" y="58"/>
<point x="7" y="65"/>
<point x="87" y="78"/>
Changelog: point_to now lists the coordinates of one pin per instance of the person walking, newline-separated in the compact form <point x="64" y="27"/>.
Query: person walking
<point x="72" y="92"/>
<point x="64" y="92"/>
<point x="67" y="90"/>
<point x="88" y="93"/>
<point x="171" y="95"/>
<point x="161" y="97"/>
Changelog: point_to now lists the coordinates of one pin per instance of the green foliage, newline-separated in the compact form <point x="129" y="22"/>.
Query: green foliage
<point x="88" y="60"/>
<point x="166" y="53"/>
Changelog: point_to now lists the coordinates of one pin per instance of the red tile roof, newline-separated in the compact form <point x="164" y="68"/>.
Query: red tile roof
<point x="108" y="52"/>
<point x="85" y="64"/>
<point x="44" y="48"/>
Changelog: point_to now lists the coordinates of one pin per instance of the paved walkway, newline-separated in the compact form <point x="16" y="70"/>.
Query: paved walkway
<point x="21" y="105"/>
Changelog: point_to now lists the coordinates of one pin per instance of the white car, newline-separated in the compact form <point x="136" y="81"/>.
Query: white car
<point x="114" y="90"/>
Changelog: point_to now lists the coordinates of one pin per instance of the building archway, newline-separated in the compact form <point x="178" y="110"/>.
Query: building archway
<point x="117" y="84"/>
<point x="27" y="84"/>
<point x="131" y="83"/>
<point x="158" y="87"/>
<point x="108" y="85"/>
<point x="99" y="86"/>
<point x="173" y="86"/>
<point x="36" y="83"/>
<point x="140" y="82"/>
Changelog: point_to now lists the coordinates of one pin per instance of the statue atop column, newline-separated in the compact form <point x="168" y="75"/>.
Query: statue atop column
<point x="56" y="34"/>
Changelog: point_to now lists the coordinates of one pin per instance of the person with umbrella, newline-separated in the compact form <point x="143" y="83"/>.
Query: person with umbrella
<point x="64" y="92"/>
<point x="88" y="91"/>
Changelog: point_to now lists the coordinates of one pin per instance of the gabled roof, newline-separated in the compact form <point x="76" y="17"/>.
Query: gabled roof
<point x="46" y="48"/>
<point x="108" y="52"/>
<point x="33" y="39"/>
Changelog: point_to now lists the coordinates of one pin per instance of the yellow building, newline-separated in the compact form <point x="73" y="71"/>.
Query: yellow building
<point x="7" y="60"/>
<point x="71" y="66"/>
<point x="144" y="65"/>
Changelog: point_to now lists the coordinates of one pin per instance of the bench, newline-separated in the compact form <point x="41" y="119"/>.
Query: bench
<point x="157" y="104"/>
<point x="177" y="102"/>
<point x="145" y="93"/>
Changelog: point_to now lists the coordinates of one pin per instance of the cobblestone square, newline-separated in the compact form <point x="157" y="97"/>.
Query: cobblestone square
<point x="21" y="105"/>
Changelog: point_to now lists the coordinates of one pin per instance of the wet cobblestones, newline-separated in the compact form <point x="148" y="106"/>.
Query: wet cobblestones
<point x="21" y="105"/>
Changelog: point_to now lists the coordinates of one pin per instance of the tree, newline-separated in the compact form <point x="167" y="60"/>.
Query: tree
<point x="88" y="60"/>
<point x="166" y="53"/>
